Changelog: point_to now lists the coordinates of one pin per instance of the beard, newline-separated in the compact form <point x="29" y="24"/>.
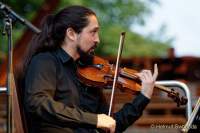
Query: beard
<point x="86" y="58"/>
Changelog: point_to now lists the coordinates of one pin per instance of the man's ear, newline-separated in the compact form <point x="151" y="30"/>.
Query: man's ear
<point x="71" y="34"/>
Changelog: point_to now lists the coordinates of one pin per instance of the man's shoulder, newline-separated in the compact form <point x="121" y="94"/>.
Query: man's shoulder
<point x="44" y="57"/>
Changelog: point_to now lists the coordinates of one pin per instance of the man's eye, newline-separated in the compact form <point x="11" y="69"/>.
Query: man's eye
<point x="93" y="32"/>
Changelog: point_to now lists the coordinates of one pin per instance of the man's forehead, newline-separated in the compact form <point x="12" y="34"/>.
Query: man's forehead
<point x="93" y="20"/>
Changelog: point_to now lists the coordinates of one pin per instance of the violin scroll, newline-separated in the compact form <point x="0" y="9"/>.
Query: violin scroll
<point x="179" y="100"/>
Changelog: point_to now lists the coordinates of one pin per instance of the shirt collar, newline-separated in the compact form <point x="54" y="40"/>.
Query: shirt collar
<point x="64" y="56"/>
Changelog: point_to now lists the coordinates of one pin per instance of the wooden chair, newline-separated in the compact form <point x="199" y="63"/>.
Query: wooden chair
<point x="18" y="116"/>
<point x="20" y="123"/>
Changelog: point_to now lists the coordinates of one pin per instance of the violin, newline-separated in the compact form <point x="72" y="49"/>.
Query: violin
<point x="100" y="74"/>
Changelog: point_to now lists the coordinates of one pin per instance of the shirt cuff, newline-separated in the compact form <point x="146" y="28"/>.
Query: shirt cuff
<point x="141" y="101"/>
<point x="90" y="118"/>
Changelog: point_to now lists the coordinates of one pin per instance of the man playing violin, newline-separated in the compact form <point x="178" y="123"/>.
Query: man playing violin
<point x="54" y="99"/>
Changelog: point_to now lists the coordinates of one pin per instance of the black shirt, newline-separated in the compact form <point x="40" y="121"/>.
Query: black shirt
<point x="55" y="101"/>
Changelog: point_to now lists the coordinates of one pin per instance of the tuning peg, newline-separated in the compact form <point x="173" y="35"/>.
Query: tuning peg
<point x="184" y="100"/>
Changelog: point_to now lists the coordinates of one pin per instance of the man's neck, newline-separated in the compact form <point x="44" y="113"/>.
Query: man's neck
<point x="71" y="51"/>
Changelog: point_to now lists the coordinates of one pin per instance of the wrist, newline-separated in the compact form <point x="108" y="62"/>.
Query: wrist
<point x="147" y="95"/>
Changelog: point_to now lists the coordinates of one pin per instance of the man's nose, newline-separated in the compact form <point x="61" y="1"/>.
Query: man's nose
<point x="97" y="40"/>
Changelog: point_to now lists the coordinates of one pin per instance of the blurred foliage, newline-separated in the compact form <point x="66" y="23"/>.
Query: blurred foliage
<point x="114" y="16"/>
<point x="25" y="8"/>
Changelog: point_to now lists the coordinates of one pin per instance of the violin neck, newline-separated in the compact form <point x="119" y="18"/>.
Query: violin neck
<point x="162" y="88"/>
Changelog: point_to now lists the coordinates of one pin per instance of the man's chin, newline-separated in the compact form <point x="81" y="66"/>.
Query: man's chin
<point x="86" y="57"/>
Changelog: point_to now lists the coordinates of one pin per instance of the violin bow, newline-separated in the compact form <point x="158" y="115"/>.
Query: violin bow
<point x="121" y="43"/>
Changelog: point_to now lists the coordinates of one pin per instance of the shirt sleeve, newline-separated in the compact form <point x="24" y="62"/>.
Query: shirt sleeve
<point x="130" y="112"/>
<point x="40" y="86"/>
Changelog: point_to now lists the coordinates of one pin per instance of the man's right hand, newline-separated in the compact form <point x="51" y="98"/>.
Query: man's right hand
<point x="106" y="122"/>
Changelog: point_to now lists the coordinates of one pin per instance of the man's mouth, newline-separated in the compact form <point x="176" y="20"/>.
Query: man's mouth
<point x="93" y="48"/>
<point x="91" y="51"/>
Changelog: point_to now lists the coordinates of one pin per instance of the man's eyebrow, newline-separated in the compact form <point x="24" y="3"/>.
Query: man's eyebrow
<point x="94" y="28"/>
